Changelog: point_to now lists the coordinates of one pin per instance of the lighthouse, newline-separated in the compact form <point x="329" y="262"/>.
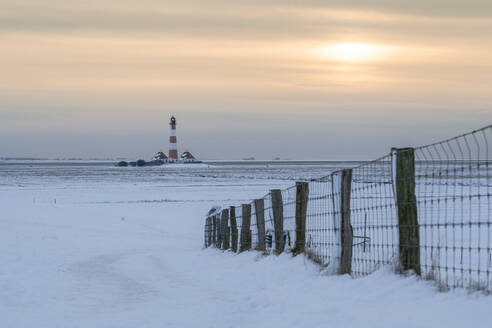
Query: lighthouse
<point x="173" y="146"/>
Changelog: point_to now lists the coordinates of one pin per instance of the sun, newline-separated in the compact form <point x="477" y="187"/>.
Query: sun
<point x="353" y="52"/>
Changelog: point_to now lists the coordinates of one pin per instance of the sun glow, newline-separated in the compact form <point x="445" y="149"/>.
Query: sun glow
<point x="354" y="52"/>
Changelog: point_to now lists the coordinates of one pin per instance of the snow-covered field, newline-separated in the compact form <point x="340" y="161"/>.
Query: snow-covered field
<point x="98" y="246"/>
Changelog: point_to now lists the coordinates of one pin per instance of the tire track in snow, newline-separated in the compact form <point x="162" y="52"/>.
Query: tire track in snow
<point x="104" y="283"/>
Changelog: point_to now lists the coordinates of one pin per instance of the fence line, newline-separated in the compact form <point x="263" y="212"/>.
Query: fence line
<point x="425" y="209"/>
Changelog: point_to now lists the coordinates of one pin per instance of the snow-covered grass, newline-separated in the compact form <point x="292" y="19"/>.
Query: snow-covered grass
<point x="102" y="247"/>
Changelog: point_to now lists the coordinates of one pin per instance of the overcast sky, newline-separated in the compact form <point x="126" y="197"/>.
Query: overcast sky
<point x="291" y="79"/>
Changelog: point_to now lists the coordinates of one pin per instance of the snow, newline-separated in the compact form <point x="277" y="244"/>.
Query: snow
<point x="96" y="246"/>
<point x="180" y="166"/>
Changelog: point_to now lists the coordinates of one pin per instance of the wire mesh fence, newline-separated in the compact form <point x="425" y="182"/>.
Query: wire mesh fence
<point x="453" y="195"/>
<point x="289" y="206"/>
<point x="373" y="216"/>
<point x="322" y="226"/>
<point x="425" y="209"/>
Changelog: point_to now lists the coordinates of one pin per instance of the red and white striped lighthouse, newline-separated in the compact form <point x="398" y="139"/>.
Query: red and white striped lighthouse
<point x="173" y="146"/>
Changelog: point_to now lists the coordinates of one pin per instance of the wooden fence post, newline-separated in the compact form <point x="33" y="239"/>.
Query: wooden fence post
<point x="302" y="193"/>
<point x="209" y="231"/>
<point x="205" y="229"/>
<point x="214" y="230"/>
<point x="246" y="228"/>
<point x="218" y="242"/>
<point x="234" y="234"/>
<point x="278" y="219"/>
<point x="406" y="201"/>
<point x="224" y="220"/>
<point x="345" y="226"/>
<point x="260" y="223"/>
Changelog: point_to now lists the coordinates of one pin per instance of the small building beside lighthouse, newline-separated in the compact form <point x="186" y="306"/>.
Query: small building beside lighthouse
<point x="160" y="156"/>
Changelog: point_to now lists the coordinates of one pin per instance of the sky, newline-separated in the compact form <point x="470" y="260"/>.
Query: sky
<point x="290" y="79"/>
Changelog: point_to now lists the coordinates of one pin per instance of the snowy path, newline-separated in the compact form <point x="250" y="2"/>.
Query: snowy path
<point x="130" y="255"/>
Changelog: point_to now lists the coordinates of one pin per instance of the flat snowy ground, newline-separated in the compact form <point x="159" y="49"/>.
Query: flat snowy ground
<point x="95" y="246"/>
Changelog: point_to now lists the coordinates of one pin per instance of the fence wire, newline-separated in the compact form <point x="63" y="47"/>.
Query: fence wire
<point x="449" y="239"/>
<point x="373" y="216"/>
<point x="453" y="195"/>
<point x="322" y="228"/>
<point x="289" y="204"/>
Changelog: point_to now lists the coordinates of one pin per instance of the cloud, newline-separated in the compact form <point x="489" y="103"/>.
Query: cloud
<point x="227" y="18"/>
<point x="89" y="67"/>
